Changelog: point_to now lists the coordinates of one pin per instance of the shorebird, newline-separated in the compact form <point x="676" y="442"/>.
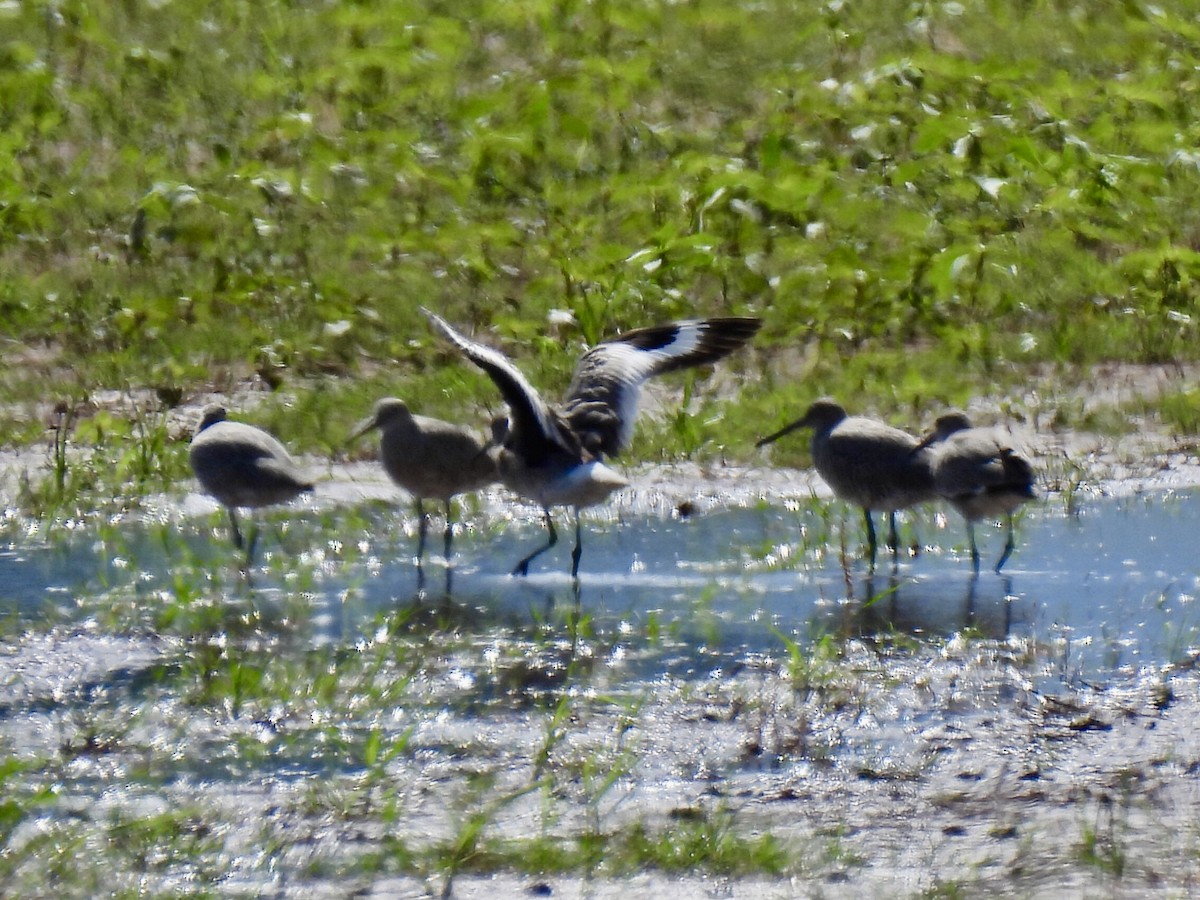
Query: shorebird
<point x="867" y="463"/>
<point x="554" y="456"/>
<point x="980" y="473"/>
<point x="430" y="459"/>
<point x="243" y="466"/>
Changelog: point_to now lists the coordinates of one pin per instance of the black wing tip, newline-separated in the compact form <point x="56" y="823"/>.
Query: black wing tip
<point x="747" y="325"/>
<point x="719" y="335"/>
<point x="730" y="332"/>
<point x="722" y="336"/>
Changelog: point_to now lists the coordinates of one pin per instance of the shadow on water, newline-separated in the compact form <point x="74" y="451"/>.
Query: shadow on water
<point x="1110" y="588"/>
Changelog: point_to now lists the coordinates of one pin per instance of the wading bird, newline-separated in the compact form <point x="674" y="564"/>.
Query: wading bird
<point x="429" y="458"/>
<point x="980" y="473"/>
<point x="243" y="466"/>
<point x="867" y="463"/>
<point x="554" y="456"/>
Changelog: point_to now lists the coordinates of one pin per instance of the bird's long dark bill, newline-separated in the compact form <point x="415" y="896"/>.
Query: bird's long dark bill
<point x="787" y="429"/>
<point x="926" y="441"/>
<point x="361" y="428"/>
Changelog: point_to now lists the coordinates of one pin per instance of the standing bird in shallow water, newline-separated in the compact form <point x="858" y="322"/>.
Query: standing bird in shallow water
<point x="980" y="473"/>
<point x="554" y="455"/>
<point x="430" y="459"/>
<point x="867" y="463"/>
<point x="240" y="465"/>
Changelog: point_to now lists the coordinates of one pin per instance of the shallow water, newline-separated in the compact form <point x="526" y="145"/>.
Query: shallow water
<point x="141" y="674"/>
<point x="1102" y="592"/>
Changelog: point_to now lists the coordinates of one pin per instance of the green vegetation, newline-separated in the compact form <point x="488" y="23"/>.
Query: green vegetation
<point x="925" y="201"/>
<point x="700" y="842"/>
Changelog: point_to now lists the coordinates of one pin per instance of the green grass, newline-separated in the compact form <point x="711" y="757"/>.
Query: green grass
<point x="1180" y="410"/>
<point x="923" y="202"/>
<point x="707" y="842"/>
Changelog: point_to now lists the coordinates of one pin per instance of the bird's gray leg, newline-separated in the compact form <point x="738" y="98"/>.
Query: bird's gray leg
<point x="872" y="544"/>
<point x="233" y="524"/>
<point x="974" y="548"/>
<point x="893" y="540"/>
<point x="522" y="568"/>
<point x="1009" y="545"/>
<point x="578" y="551"/>
<point x="422" y="530"/>
<point x="251" y="543"/>
<point x="449" y="529"/>
<point x="971" y="586"/>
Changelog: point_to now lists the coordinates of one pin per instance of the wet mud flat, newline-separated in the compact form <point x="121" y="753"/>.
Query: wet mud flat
<point x="726" y="705"/>
<point x="897" y="771"/>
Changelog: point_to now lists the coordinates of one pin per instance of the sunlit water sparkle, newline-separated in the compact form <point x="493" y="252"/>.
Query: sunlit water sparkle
<point x="1103" y="591"/>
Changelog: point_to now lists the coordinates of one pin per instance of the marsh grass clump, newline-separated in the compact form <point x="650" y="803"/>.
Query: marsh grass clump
<point x="1100" y="845"/>
<point x="169" y="847"/>
<point x="23" y="796"/>
<point x="708" y="842"/>
<point x="103" y="463"/>
<point x="1180" y="411"/>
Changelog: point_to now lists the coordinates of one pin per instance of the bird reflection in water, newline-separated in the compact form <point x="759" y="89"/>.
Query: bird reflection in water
<point x="897" y="605"/>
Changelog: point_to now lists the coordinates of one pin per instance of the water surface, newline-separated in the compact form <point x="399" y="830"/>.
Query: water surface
<point x="1102" y="592"/>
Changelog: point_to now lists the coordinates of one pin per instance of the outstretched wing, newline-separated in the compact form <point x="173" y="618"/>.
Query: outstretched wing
<point x="532" y="424"/>
<point x="602" y="400"/>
